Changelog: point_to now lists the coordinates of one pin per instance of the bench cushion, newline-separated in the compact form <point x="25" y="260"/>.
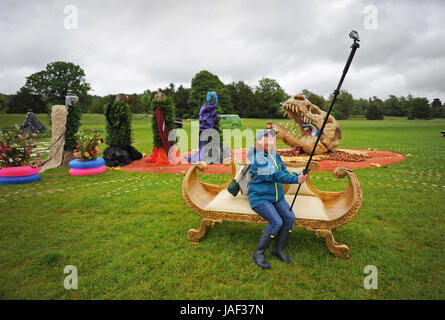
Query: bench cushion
<point x="305" y="207"/>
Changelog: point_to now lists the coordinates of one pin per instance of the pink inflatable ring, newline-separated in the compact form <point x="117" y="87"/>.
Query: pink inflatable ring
<point x="18" y="171"/>
<point x="87" y="172"/>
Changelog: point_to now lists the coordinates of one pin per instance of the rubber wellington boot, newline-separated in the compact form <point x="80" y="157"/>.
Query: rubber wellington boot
<point x="280" y="243"/>
<point x="258" y="255"/>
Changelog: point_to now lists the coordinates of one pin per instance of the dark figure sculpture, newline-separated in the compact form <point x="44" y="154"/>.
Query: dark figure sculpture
<point x="119" y="151"/>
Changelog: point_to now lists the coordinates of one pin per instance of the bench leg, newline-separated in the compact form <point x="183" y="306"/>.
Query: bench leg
<point x="194" y="235"/>
<point x="337" y="249"/>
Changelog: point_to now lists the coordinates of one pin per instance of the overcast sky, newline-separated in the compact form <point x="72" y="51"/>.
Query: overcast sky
<point x="129" y="46"/>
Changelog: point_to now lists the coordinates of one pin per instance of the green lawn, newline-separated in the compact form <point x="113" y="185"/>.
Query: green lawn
<point x="126" y="232"/>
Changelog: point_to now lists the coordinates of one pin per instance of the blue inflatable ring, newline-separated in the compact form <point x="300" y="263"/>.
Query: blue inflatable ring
<point x="75" y="164"/>
<point x="21" y="179"/>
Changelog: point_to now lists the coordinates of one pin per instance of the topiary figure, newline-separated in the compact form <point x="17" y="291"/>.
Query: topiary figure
<point x="72" y="126"/>
<point x="118" y="138"/>
<point x="162" y="122"/>
<point x="72" y="122"/>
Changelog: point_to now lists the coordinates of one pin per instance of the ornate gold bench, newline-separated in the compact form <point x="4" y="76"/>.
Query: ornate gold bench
<point x="317" y="211"/>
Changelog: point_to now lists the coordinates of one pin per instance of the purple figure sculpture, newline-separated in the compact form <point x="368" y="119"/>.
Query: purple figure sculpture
<point x="206" y="121"/>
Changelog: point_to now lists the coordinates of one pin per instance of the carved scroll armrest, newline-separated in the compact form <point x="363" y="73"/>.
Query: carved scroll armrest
<point x="202" y="166"/>
<point x="341" y="172"/>
<point x="351" y="198"/>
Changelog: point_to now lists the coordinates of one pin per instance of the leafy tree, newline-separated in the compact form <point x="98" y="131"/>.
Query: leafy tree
<point x="24" y="100"/>
<point x="376" y="101"/>
<point x="316" y="99"/>
<point x="135" y="102"/>
<point x="92" y="105"/>
<point x="393" y="107"/>
<point x="100" y="103"/>
<point x="146" y="100"/>
<point x="204" y="82"/>
<point x="86" y="102"/>
<point x="437" y="109"/>
<point x="360" y="106"/>
<point x="405" y="103"/>
<point x="57" y="80"/>
<point x="180" y="98"/>
<point x="270" y="96"/>
<point x="169" y="90"/>
<point x="343" y="106"/>
<point x="3" y="104"/>
<point x="419" y="108"/>
<point x="374" y="112"/>
<point x="243" y="99"/>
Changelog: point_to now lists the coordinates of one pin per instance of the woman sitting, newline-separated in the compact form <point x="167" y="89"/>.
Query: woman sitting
<point x="266" y="195"/>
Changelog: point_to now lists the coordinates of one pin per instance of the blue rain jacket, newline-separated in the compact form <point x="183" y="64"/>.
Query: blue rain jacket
<point x="268" y="173"/>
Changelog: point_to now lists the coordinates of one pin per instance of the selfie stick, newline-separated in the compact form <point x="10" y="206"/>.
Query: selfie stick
<point x="353" y="35"/>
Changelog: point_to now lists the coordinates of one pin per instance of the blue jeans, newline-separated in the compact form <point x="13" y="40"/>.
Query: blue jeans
<point x="278" y="214"/>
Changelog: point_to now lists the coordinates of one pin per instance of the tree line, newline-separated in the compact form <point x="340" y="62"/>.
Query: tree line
<point x="50" y="86"/>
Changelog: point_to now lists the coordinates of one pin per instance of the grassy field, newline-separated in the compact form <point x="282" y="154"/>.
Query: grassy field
<point x="126" y="232"/>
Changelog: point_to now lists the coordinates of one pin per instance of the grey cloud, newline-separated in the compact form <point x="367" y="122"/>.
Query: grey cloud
<point x="135" y="45"/>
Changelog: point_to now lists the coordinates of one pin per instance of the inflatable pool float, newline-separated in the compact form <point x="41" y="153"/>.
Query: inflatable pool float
<point x="17" y="175"/>
<point x="87" y="172"/>
<point x="77" y="164"/>
<point x="18" y="171"/>
<point x="87" y="168"/>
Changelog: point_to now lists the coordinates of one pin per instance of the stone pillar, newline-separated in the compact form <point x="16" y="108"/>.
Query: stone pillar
<point x="57" y="155"/>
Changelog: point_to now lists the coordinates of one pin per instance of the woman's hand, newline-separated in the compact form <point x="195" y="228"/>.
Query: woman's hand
<point x="302" y="178"/>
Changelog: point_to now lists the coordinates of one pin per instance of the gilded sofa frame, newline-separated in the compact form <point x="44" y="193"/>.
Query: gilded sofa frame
<point x="342" y="206"/>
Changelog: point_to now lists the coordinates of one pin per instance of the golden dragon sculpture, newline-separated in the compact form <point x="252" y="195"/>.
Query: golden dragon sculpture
<point x="309" y="119"/>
